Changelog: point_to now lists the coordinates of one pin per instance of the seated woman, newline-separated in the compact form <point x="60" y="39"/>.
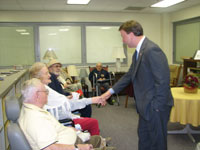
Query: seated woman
<point x="54" y="69"/>
<point x="39" y="70"/>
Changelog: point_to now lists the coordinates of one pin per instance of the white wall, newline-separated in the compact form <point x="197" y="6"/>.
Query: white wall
<point x="184" y="14"/>
<point x="157" y="27"/>
<point x="150" y="22"/>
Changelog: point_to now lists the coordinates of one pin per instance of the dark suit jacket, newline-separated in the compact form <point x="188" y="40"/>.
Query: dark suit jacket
<point x="150" y="77"/>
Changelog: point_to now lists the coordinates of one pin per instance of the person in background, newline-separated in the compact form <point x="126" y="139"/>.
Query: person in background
<point x="62" y="104"/>
<point x="54" y="67"/>
<point x="67" y="81"/>
<point x="100" y="75"/>
<point x="150" y="77"/>
<point x="42" y="130"/>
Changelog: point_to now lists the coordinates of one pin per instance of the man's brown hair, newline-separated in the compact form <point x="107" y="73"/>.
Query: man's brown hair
<point x="132" y="26"/>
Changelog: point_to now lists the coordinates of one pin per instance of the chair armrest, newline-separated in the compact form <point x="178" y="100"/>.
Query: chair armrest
<point x="67" y="122"/>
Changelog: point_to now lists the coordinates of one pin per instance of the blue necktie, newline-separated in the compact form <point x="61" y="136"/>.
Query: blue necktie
<point x="135" y="60"/>
<point x="136" y="55"/>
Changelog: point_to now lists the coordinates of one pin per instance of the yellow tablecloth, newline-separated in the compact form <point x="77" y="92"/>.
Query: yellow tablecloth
<point x="186" y="108"/>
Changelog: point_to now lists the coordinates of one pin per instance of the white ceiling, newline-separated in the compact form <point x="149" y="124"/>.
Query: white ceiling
<point x="94" y="5"/>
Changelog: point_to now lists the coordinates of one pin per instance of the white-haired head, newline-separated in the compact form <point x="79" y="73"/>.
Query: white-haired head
<point x="29" y="89"/>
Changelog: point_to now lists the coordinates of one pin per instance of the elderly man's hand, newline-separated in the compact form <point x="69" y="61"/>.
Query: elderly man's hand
<point x="66" y="85"/>
<point x="69" y="97"/>
<point x="97" y="100"/>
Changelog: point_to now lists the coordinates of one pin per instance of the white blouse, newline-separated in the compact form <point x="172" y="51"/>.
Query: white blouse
<point x="60" y="106"/>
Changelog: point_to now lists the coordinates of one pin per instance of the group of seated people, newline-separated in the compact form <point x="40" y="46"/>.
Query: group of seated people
<point x="46" y="102"/>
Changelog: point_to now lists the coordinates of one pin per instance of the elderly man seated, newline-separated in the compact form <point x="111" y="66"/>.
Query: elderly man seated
<point x="63" y="77"/>
<point x="101" y="75"/>
<point x="42" y="130"/>
<point x="54" y="68"/>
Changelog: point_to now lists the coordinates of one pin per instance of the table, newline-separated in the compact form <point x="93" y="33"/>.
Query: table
<point x="186" y="111"/>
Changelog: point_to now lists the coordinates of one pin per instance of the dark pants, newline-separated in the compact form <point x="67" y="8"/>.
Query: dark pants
<point x="153" y="133"/>
<point x="102" y="88"/>
<point x="86" y="112"/>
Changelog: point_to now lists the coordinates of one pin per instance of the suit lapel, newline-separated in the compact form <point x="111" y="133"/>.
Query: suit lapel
<point x="139" y="57"/>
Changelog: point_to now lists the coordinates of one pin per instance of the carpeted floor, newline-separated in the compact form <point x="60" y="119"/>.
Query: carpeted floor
<point x="120" y="123"/>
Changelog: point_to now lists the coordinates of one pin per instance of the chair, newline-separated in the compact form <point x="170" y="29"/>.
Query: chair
<point x="16" y="136"/>
<point x="67" y="122"/>
<point x="129" y="92"/>
<point x="95" y="86"/>
<point x="94" y="82"/>
<point x="174" y="74"/>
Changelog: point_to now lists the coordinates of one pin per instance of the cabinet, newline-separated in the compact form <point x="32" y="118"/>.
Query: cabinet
<point x="189" y="63"/>
<point x="9" y="87"/>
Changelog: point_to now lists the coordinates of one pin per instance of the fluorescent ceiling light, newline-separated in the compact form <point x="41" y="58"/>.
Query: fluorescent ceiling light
<point x="166" y="3"/>
<point x="64" y="30"/>
<point x="20" y="30"/>
<point x="84" y="2"/>
<point x="24" y="33"/>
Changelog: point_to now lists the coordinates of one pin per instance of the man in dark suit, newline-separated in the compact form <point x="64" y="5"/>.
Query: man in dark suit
<point x="149" y="74"/>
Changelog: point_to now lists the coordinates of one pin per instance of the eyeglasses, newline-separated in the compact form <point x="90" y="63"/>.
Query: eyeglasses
<point x="46" y="91"/>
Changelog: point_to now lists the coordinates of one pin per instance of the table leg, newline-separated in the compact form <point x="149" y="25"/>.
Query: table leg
<point x="187" y="130"/>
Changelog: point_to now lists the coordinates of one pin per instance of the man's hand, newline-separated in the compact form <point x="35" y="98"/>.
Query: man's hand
<point x="85" y="146"/>
<point x="105" y="96"/>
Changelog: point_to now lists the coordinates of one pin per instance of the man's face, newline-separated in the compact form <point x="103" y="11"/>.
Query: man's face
<point x="45" y="76"/>
<point x="55" y="68"/>
<point x="99" y="67"/>
<point x="128" y="39"/>
<point x="42" y="95"/>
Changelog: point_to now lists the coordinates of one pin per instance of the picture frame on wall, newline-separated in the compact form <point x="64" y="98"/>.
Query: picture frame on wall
<point x="197" y="55"/>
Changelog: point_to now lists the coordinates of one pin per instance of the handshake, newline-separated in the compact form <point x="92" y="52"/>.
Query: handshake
<point x="101" y="99"/>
